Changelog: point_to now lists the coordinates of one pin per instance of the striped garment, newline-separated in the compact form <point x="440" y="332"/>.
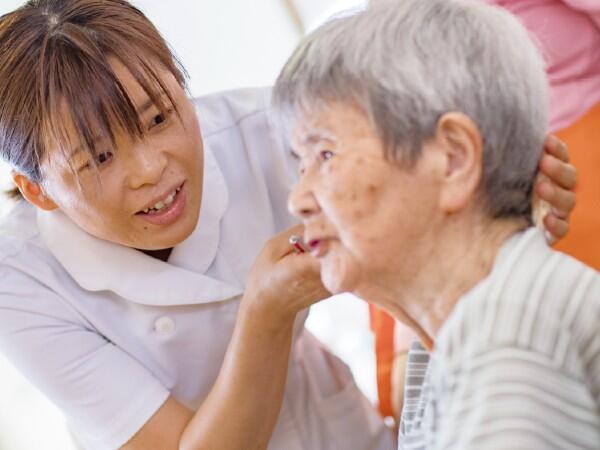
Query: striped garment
<point x="517" y="363"/>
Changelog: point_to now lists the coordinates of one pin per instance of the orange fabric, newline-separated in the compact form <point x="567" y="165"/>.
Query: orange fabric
<point x="383" y="325"/>
<point x="583" y="140"/>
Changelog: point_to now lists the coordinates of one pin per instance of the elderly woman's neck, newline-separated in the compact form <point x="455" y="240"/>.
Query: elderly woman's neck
<point x="462" y="255"/>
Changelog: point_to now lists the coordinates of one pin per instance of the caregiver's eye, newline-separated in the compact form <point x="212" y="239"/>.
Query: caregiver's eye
<point x="159" y="119"/>
<point x="104" y="157"/>
<point x="326" y="155"/>
<point x="101" y="159"/>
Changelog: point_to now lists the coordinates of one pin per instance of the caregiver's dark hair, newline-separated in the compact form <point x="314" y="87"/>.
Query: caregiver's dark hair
<point x="54" y="57"/>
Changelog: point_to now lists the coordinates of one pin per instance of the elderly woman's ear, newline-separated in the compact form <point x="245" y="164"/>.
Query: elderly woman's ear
<point x="459" y="145"/>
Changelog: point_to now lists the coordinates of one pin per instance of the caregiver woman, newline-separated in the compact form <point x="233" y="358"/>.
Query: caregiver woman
<point x="123" y="274"/>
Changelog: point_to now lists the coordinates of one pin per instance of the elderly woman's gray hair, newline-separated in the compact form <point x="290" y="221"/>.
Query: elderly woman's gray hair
<point x="405" y="63"/>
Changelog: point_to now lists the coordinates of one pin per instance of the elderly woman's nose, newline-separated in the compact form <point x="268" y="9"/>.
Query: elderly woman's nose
<point x="302" y="203"/>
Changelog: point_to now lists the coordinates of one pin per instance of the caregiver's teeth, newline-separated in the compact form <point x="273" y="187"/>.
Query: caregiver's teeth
<point x="166" y="202"/>
<point x="170" y="198"/>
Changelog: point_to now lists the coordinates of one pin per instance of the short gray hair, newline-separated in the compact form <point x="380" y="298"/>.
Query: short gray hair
<point x="405" y="63"/>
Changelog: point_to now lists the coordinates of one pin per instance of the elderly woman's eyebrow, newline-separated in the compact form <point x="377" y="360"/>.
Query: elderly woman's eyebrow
<point x="312" y="138"/>
<point x="315" y="136"/>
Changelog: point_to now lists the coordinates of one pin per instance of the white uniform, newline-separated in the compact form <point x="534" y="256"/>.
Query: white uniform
<point x="107" y="333"/>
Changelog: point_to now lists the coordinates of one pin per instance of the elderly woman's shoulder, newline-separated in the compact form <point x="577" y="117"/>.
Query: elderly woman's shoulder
<point x="541" y="301"/>
<point x="551" y="292"/>
<point x="573" y="281"/>
<point x="545" y="281"/>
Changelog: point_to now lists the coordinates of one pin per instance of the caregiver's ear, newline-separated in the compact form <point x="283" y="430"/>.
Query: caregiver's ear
<point x="461" y="146"/>
<point x="33" y="192"/>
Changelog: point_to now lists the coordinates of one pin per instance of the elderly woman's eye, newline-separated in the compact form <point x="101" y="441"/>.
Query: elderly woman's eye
<point x="326" y="154"/>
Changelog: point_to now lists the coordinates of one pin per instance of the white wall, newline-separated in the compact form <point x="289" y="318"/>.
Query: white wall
<point x="314" y="12"/>
<point x="227" y="43"/>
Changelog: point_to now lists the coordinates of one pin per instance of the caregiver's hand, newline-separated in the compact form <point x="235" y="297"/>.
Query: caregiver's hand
<point x="242" y="407"/>
<point x="282" y="282"/>
<point x="556" y="186"/>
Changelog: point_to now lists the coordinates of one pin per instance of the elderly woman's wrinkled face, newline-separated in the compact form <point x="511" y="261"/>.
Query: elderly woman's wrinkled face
<point x="365" y="215"/>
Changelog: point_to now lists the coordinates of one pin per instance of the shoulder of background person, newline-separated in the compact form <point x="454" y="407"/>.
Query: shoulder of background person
<point x="590" y="7"/>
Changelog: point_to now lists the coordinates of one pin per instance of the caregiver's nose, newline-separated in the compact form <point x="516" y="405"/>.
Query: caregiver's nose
<point x="147" y="166"/>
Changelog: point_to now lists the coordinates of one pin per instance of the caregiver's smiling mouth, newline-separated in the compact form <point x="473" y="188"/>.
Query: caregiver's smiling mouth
<point x="166" y="208"/>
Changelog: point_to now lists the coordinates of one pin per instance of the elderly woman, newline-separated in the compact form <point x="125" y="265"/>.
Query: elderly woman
<point x="419" y="139"/>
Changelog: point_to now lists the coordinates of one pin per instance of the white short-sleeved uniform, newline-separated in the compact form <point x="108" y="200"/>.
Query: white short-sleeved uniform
<point x="107" y="333"/>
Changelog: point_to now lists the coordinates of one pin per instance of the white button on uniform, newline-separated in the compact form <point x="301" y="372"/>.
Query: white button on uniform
<point x="164" y="326"/>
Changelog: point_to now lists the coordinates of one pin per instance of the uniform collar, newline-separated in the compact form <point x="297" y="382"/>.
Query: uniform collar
<point x="198" y="251"/>
<point x="138" y="277"/>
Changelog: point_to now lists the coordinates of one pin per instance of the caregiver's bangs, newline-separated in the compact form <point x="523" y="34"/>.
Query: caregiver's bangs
<point x="78" y="79"/>
<point x="58" y="84"/>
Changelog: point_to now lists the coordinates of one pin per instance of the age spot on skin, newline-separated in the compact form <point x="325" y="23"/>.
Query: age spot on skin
<point x="358" y="214"/>
<point x="372" y="239"/>
<point x="340" y="196"/>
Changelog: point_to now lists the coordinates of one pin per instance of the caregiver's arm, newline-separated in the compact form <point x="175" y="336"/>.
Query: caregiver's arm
<point x="242" y="407"/>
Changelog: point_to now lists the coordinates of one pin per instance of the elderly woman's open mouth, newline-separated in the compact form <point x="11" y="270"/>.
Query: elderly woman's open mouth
<point x="319" y="247"/>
